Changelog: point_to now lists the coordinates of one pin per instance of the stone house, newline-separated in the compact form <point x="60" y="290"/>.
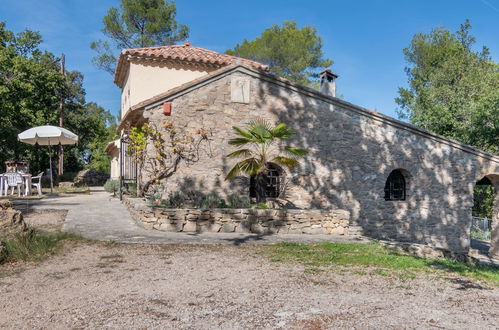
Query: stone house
<point x="397" y="181"/>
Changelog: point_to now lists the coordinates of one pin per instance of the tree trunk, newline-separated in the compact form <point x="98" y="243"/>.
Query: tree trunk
<point x="166" y="173"/>
<point x="260" y="187"/>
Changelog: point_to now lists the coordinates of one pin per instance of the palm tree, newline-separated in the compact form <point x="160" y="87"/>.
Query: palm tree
<point x="260" y="146"/>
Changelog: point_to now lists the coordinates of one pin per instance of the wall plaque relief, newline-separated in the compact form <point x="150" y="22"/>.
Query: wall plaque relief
<point x="240" y="90"/>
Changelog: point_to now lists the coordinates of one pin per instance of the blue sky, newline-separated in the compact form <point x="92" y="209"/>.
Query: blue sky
<point x="364" y="38"/>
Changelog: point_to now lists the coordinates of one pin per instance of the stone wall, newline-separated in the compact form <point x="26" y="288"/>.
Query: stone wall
<point x="259" y="221"/>
<point x="351" y="153"/>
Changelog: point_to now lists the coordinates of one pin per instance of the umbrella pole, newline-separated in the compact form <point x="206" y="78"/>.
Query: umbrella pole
<point x="50" y="160"/>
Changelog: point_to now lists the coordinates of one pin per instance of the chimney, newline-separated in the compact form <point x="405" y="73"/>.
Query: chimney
<point x="328" y="82"/>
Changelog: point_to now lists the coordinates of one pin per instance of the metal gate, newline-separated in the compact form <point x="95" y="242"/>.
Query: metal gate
<point x="128" y="164"/>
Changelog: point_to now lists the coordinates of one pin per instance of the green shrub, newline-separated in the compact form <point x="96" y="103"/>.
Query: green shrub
<point x="261" y="206"/>
<point x="238" y="202"/>
<point x="131" y="189"/>
<point x="155" y="196"/>
<point x="112" y="186"/>
<point x="175" y="200"/>
<point x="211" y="201"/>
<point x="198" y="200"/>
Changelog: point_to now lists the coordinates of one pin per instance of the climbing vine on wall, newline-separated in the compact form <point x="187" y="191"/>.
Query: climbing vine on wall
<point x="161" y="150"/>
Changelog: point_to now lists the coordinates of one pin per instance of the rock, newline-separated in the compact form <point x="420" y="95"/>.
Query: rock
<point x="10" y="219"/>
<point x="5" y="204"/>
<point x="228" y="228"/>
<point x="91" y="178"/>
<point x="190" y="226"/>
<point x="338" y="231"/>
<point x="314" y="230"/>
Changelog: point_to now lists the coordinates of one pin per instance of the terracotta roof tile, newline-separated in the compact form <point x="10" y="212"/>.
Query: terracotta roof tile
<point x="182" y="53"/>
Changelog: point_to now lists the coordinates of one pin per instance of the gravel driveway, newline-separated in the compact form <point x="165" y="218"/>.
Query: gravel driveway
<point x="98" y="285"/>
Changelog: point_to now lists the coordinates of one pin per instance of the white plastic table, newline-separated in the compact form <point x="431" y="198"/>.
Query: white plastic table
<point x="27" y="185"/>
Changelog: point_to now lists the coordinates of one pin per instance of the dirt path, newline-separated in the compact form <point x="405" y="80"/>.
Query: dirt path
<point x="222" y="286"/>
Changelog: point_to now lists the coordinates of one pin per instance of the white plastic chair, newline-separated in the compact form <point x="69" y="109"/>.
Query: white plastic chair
<point x="38" y="184"/>
<point x="14" y="180"/>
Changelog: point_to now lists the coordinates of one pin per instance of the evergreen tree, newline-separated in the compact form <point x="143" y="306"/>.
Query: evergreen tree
<point x="453" y="89"/>
<point x="290" y="52"/>
<point x="136" y="24"/>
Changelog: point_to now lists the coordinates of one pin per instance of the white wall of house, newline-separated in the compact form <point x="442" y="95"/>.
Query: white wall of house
<point x="146" y="79"/>
<point x="125" y="95"/>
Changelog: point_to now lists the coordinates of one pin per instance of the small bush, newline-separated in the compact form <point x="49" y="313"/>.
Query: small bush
<point x="211" y="201"/>
<point x="112" y="186"/>
<point x="131" y="189"/>
<point x="238" y="202"/>
<point x="155" y="196"/>
<point x="175" y="200"/>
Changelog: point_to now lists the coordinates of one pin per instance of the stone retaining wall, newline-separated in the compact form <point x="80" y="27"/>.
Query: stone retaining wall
<point x="259" y="221"/>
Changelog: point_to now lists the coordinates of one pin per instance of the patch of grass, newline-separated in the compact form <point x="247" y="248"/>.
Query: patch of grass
<point x="373" y="255"/>
<point x="112" y="256"/>
<point x="110" y="244"/>
<point x="33" y="245"/>
<point x="73" y="190"/>
<point x="487" y="273"/>
<point x="313" y="270"/>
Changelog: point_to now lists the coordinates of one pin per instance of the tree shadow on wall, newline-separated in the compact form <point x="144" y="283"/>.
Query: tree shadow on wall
<point x="350" y="157"/>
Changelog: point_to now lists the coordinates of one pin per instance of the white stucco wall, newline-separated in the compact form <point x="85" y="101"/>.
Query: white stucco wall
<point x="146" y="79"/>
<point x="125" y="95"/>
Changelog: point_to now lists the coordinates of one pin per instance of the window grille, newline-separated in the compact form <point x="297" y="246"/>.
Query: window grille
<point x="273" y="182"/>
<point x="395" y="187"/>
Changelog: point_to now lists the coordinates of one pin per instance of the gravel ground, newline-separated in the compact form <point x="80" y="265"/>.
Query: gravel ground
<point x="49" y="220"/>
<point x="97" y="285"/>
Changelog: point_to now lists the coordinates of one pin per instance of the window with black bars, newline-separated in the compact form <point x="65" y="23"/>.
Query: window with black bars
<point x="273" y="183"/>
<point x="395" y="187"/>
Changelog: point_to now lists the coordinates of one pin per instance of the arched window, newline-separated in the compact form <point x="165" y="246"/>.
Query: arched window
<point x="273" y="182"/>
<point x="395" y="186"/>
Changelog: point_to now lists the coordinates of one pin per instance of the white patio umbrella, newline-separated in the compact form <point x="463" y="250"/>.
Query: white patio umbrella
<point x="48" y="136"/>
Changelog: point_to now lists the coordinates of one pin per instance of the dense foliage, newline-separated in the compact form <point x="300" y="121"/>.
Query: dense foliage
<point x="453" y="89"/>
<point x="31" y="87"/>
<point x="135" y="24"/>
<point x="483" y="201"/>
<point x="290" y="52"/>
